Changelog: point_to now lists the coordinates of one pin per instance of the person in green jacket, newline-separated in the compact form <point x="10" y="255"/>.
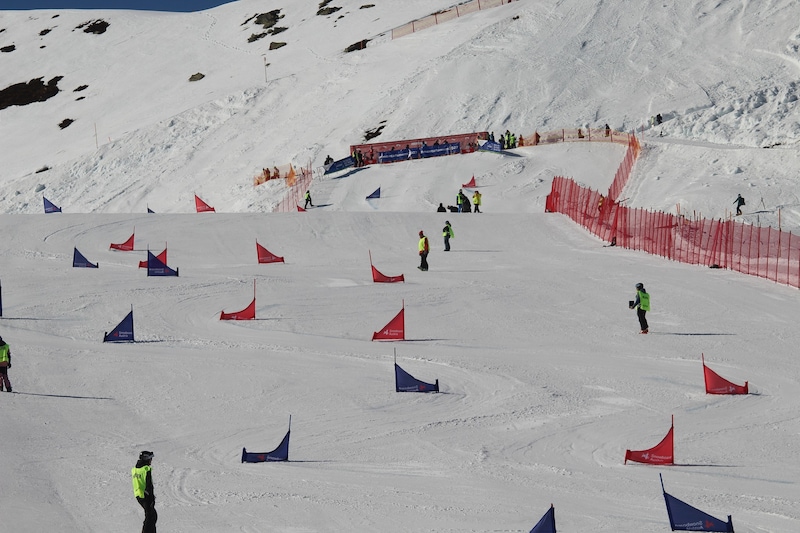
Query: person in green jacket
<point x="143" y="490"/>
<point x="447" y="233"/>
<point x="642" y="306"/>
<point x="5" y="364"/>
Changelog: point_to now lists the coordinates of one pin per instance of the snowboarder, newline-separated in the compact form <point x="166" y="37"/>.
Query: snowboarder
<point x="642" y="306"/>
<point x="447" y="233"/>
<point x="423" y="251"/>
<point x="5" y="364"/>
<point x="739" y="203"/>
<point x="308" y="200"/>
<point x="143" y="490"/>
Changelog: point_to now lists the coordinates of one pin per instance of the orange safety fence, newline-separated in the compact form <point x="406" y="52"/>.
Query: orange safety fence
<point x="446" y="15"/>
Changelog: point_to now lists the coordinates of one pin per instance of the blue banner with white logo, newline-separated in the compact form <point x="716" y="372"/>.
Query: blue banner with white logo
<point x="341" y="164"/>
<point x="490" y="146"/>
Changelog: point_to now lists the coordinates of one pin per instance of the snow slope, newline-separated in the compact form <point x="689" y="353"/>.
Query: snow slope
<point x="545" y="380"/>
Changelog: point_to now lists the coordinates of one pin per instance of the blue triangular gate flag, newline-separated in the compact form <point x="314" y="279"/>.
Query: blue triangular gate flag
<point x="150" y="210"/>
<point x="281" y="453"/>
<point x="684" y="517"/>
<point x="123" y="332"/>
<point x="547" y="524"/>
<point x="79" y="261"/>
<point x="156" y="267"/>
<point x="376" y="194"/>
<point x="405" y="382"/>
<point x="50" y="207"/>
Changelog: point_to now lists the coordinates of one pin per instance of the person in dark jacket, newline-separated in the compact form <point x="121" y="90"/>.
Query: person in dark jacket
<point x="441" y="208"/>
<point x="142" y="478"/>
<point x="308" y="200"/>
<point x="447" y="233"/>
<point x="739" y="203"/>
<point x="642" y="306"/>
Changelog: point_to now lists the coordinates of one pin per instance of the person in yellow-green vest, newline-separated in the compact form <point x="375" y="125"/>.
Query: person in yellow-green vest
<point x="424" y="248"/>
<point x="5" y="364"/>
<point x="476" y="201"/>
<point x="143" y="490"/>
<point x="447" y="233"/>
<point x="642" y="306"/>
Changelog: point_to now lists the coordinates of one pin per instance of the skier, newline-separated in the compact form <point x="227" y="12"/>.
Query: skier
<point x="423" y="251"/>
<point x="739" y="203"/>
<point x="642" y="306"/>
<point x="143" y="490"/>
<point x="308" y="200"/>
<point x="5" y="364"/>
<point x="447" y="233"/>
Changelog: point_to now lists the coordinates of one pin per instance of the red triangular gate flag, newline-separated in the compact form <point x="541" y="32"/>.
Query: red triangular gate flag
<point x="716" y="384"/>
<point x="300" y="209"/>
<point x="161" y="257"/>
<point x="201" y="206"/>
<point x="126" y="246"/>
<point x="470" y="184"/>
<point x="248" y="313"/>
<point x="265" y="256"/>
<point x="395" y="330"/>
<point x="378" y="277"/>
<point x="662" y="453"/>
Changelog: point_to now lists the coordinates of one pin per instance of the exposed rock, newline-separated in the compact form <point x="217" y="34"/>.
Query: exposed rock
<point x="64" y="123"/>
<point x="94" y="26"/>
<point x="28" y="93"/>
<point x="274" y="45"/>
<point x="197" y="76"/>
<point x="9" y="48"/>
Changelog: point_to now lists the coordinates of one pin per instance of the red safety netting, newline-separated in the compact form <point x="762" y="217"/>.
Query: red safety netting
<point x="763" y="252"/>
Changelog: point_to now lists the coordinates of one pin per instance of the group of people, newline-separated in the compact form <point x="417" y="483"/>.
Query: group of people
<point x="463" y="204"/>
<point x="506" y="140"/>
<point x="358" y="158"/>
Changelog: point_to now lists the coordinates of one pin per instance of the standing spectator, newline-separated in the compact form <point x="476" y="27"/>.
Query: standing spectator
<point x="608" y="130"/>
<point x="739" y="203"/>
<point x="447" y="233"/>
<point x="359" y="158"/>
<point x="143" y="490"/>
<point x="642" y="306"/>
<point x="308" y="200"/>
<point x="459" y="200"/>
<point x="423" y="251"/>
<point x="5" y="364"/>
<point x="476" y="201"/>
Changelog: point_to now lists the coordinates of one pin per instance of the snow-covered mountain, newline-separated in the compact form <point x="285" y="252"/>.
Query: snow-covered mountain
<point x="545" y="380"/>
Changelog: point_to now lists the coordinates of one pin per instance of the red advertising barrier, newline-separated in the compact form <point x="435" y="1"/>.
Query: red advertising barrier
<point x="468" y="143"/>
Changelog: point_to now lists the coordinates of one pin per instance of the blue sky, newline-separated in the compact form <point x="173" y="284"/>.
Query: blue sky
<point x="149" y="5"/>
